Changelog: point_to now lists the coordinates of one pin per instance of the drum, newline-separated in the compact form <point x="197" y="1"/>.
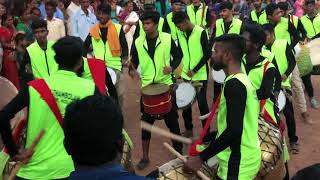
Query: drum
<point x="185" y="95"/>
<point x="271" y="144"/>
<point x="173" y="170"/>
<point x="302" y="54"/>
<point x="7" y="93"/>
<point x="113" y="75"/>
<point x="156" y="99"/>
<point x="281" y="101"/>
<point x="218" y="76"/>
<point x="314" y="47"/>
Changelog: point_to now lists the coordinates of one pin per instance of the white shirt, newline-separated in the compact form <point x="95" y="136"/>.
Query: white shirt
<point x="81" y="23"/>
<point x="56" y="29"/>
<point x="71" y="10"/>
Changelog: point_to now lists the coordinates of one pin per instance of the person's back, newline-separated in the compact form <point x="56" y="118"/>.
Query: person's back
<point x="93" y="138"/>
<point x="50" y="160"/>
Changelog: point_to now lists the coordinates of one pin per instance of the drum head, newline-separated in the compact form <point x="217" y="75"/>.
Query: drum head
<point x="281" y="101"/>
<point x="155" y="89"/>
<point x="314" y="47"/>
<point x="113" y="75"/>
<point x="218" y="76"/>
<point x="185" y="94"/>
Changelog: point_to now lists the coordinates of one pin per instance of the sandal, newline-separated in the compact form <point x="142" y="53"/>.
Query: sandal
<point x="294" y="148"/>
<point x="143" y="164"/>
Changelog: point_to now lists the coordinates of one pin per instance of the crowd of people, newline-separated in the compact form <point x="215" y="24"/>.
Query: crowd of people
<point x="68" y="59"/>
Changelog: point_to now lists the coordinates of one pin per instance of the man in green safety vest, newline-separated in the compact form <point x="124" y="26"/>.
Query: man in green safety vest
<point x="49" y="160"/>
<point x="258" y="15"/>
<point x="283" y="29"/>
<point x="285" y="63"/>
<point x="152" y="52"/>
<point x="39" y="55"/>
<point x="169" y="26"/>
<point x="199" y="14"/>
<point x="193" y="42"/>
<point x="109" y="44"/>
<point x="311" y="26"/>
<point x="139" y="29"/>
<point x="236" y="142"/>
<point x="227" y="24"/>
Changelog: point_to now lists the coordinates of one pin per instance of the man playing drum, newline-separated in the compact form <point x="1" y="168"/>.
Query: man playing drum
<point x="193" y="42"/>
<point x="50" y="159"/>
<point x="227" y="24"/>
<point x="153" y="52"/>
<point x="311" y="26"/>
<point x="236" y="144"/>
<point x="262" y="74"/>
<point x="285" y="64"/>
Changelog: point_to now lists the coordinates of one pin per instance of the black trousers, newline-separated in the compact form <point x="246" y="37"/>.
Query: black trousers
<point x="202" y="104"/>
<point x="170" y="119"/>
<point x="308" y="84"/>
<point x="290" y="120"/>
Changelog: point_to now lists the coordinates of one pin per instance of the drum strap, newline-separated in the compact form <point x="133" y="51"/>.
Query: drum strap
<point x="263" y="102"/>
<point x="43" y="89"/>
<point x="98" y="71"/>
<point x="193" y="149"/>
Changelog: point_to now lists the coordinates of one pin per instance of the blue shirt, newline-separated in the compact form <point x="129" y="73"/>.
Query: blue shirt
<point x="81" y="24"/>
<point x="58" y="14"/>
<point x="107" y="172"/>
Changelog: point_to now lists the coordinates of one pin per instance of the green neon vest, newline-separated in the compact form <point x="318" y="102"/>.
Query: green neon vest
<point x="43" y="63"/>
<point x="294" y="20"/>
<point x="256" y="76"/>
<point x="192" y="54"/>
<point x="262" y="18"/>
<point x="235" y="27"/>
<point x="250" y="145"/>
<point x="196" y="17"/>
<point x="160" y="27"/>
<point x="152" y="69"/>
<point x="279" y="49"/>
<point x="102" y="51"/>
<point x="50" y="159"/>
<point x="281" y="30"/>
<point x="312" y="28"/>
<point x="173" y="28"/>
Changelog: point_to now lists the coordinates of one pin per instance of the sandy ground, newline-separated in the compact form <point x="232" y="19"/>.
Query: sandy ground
<point x="309" y="134"/>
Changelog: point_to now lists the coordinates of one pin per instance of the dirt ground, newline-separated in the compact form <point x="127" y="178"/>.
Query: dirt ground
<point x="309" y="135"/>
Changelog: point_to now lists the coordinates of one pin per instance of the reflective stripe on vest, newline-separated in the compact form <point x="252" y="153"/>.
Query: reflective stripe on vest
<point x="281" y="30"/>
<point x="235" y="27"/>
<point x="312" y="27"/>
<point x="196" y="17"/>
<point x="102" y="51"/>
<point x="250" y="147"/>
<point x="43" y="63"/>
<point x="192" y="54"/>
<point x="262" y="18"/>
<point x="152" y="69"/>
<point x="160" y="27"/>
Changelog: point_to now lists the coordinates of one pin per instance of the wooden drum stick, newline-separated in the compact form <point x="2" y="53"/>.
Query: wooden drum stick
<point x="162" y="132"/>
<point x="30" y="150"/>
<point x="182" y="158"/>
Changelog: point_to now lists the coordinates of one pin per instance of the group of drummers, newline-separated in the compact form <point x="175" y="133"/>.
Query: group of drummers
<point x="172" y="56"/>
